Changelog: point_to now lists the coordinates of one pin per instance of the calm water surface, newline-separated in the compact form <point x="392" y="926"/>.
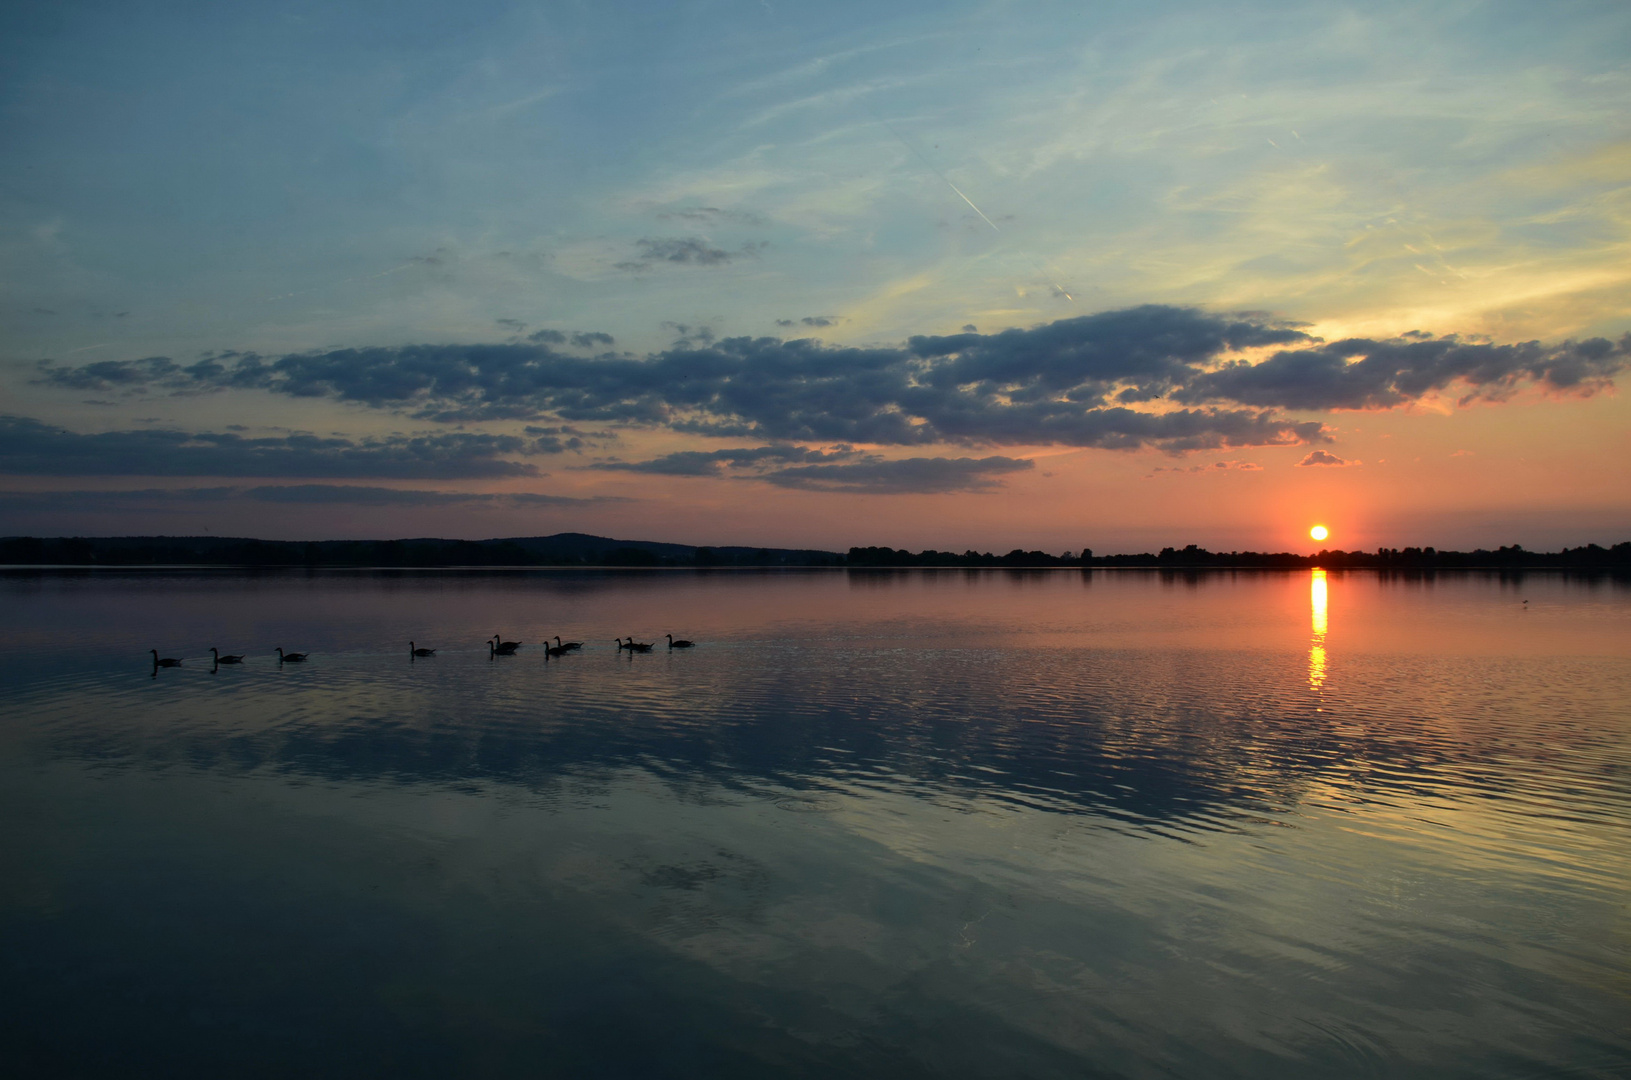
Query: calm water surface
<point x="949" y="824"/>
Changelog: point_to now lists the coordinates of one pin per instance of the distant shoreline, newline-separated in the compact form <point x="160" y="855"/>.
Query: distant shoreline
<point x="580" y="550"/>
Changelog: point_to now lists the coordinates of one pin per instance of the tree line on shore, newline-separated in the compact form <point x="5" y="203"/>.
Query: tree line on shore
<point x="1591" y="557"/>
<point x="577" y="549"/>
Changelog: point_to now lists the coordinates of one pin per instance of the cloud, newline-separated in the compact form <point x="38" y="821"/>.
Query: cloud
<point x="908" y="476"/>
<point x="558" y="440"/>
<point x="91" y="501"/>
<point x="1361" y="373"/>
<point x="815" y="321"/>
<point x="1215" y="467"/>
<point x="1320" y="457"/>
<point x="29" y="447"/>
<point x="689" y="337"/>
<point x="839" y="469"/>
<point x="1176" y="379"/>
<point x="318" y="494"/>
<point x="111" y="374"/>
<point x="582" y="339"/>
<point x="715" y="462"/>
<point x="377" y="496"/>
<point x="712" y="215"/>
<point x="171" y="499"/>
<point x="685" y="251"/>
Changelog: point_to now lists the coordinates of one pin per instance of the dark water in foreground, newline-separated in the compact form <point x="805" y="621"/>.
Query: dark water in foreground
<point x="951" y="824"/>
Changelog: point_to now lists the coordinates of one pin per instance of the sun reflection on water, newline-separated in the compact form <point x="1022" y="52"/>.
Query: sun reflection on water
<point x="1318" y="602"/>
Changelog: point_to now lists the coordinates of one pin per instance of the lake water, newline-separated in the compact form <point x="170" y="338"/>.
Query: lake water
<point x="874" y="824"/>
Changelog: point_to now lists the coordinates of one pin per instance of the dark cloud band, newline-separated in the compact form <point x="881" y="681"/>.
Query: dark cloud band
<point x="31" y="448"/>
<point x="177" y="499"/>
<point x="1360" y="373"/>
<point x="1173" y="378"/>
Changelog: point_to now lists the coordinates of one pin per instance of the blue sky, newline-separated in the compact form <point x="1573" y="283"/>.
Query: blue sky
<point x="190" y="181"/>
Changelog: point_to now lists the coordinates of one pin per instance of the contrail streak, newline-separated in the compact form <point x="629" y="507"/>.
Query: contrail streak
<point x="921" y="156"/>
<point x="349" y="280"/>
<point x="970" y="202"/>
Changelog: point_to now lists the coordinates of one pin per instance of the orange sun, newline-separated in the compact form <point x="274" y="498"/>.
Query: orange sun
<point x="1319" y="532"/>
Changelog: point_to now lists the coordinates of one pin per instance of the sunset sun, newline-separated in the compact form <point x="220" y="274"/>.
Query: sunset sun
<point x="1319" y="532"/>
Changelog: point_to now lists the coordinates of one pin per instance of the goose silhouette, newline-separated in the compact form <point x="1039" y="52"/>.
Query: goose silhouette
<point x="163" y="661"/>
<point x="680" y="644"/>
<point x="291" y="658"/>
<point x="415" y="650"/>
<point x="569" y="644"/>
<point x="505" y="646"/>
<point x="229" y="659"/>
<point x="636" y="646"/>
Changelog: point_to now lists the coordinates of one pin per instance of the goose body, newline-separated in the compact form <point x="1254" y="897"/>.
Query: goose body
<point x="556" y="650"/>
<point x="229" y="659"/>
<point x="504" y="646"/>
<point x="636" y="646"/>
<point x="415" y="650"/>
<point x="680" y="644"/>
<point x="567" y="645"/>
<point x="291" y="658"/>
<point x="163" y="661"/>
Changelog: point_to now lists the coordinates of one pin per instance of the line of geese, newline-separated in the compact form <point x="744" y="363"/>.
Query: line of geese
<point x="496" y="646"/>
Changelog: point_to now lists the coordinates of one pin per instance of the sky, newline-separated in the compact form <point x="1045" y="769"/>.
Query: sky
<point x="951" y="275"/>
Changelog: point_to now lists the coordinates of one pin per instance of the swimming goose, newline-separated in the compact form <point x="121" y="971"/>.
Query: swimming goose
<point x="415" y="650"/>
<point x="501" y="645"/>
<point x="569" y="644"/>
<point x="506" y="648"/>
<point x="556" y="650"/>
<point x="636" y="646"/>
<point x="219" y="659"/>
<point x="291" y="658"/>
<point x="680" y="644"/>
<point x="165" y="661"/>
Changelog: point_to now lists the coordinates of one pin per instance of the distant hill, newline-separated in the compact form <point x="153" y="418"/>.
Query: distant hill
<point x="562" y="549"/>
